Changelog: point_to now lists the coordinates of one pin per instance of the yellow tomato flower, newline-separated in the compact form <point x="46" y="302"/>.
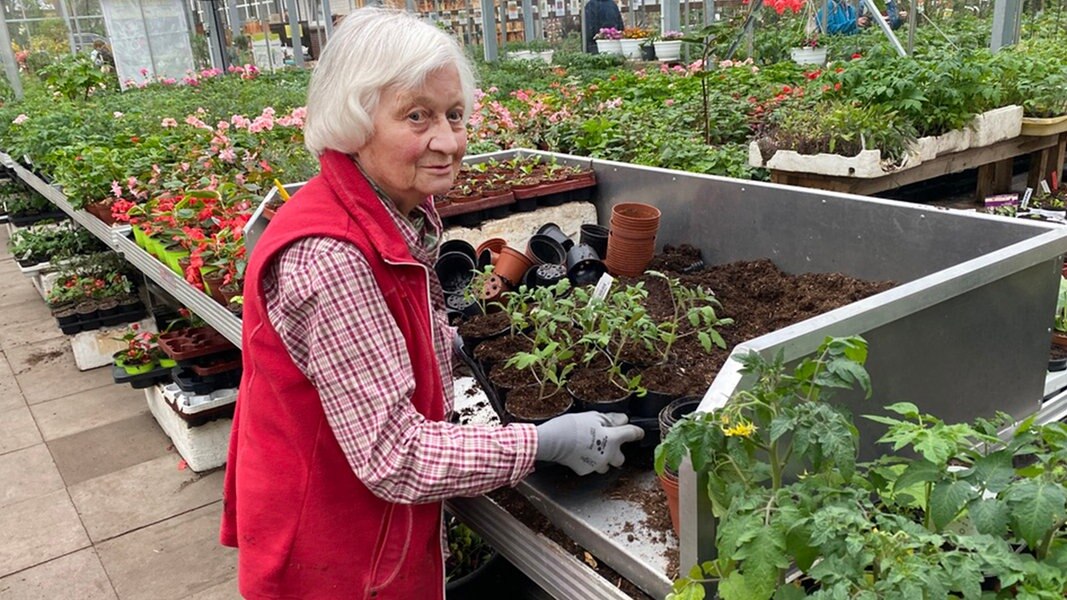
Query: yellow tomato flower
<point x="740" y="430"/>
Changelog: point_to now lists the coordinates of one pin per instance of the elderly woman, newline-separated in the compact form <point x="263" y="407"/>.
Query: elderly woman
<point x="340" y="454"/>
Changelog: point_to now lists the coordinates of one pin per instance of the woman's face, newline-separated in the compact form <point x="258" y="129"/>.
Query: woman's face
<point x="419" y="139"/>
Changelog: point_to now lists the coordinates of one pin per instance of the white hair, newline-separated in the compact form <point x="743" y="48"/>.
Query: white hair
<point x="371" y="50"/>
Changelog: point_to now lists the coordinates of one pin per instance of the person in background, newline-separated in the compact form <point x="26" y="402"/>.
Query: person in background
<point x="844" y="19"/>
<point x="102" y="55"/>
<point x="600" y="14"/>
<point x="341" y="452"/>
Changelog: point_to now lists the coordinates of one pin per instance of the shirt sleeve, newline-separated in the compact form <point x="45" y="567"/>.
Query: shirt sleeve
<point x="326" y="307"/>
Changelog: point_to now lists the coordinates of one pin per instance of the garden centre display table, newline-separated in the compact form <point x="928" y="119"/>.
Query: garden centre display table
<point x="994" y="163"/>
<point x="945" y="333"/>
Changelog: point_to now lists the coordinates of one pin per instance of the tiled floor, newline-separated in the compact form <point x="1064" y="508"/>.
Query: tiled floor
<point x="93" y="503"/>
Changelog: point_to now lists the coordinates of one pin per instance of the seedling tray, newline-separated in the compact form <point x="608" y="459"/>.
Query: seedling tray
<point x="187" y="344"/>
<point x="142" y="380"/>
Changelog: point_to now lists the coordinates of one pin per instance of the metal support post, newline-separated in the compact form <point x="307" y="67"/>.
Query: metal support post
<point x="235" y="20"/>
<point x="709" y="12"/>
<point x="528" y="21"/>
<point x="1006" y="20"/>
<point x="671" y="17"/>
<point x="875" y="14"/>
<point x="489" y="31"/>
<point x="62" y="6"/>
<point x="328" y="19"/>
<point x="11" y="68"/>
<point x="913" y="21"/>
<point x="215" y="36"/>
<point x="294" y="29"/>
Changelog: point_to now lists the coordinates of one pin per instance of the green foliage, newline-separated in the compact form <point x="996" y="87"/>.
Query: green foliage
<point x="75" y="77"/>
<point x="955" y="504"/>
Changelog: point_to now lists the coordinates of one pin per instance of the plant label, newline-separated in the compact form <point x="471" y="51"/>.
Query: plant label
<point x="1026" y="198"/>
<point x="1044" y="187"/>
<point x="603" y="287"/>
<point x="1002" y="200"/>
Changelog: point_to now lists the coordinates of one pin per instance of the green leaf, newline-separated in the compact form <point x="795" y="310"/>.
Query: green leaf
<point x="919" y="471"/>
<point x="687" y="590"/>
<point x="906" y="409"/>
<point x="947" y="499"/>
<point x="1035" y="507"/>
<point x="763" y="555"/>
<point x="790" y="592"/>
<point x="734" y="587"/>
<point x="989" y="516"/>
<point x="798" y="544"/>
<point x="994" y="471"/>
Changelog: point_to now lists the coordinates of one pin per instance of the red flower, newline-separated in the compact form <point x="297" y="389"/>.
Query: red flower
<point x="857" y="55"/>
<point x="837" y="86"/>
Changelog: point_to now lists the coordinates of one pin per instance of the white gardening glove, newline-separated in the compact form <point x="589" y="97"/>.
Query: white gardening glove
<point x="586" y="442"/>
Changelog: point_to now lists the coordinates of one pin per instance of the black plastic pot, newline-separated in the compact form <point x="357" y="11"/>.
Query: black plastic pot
<point x="462" y="304"/>
<point x="620" y="404"/>
<point x="553" y="231"/>
<point x="458" y="246"/>
<point x="584" y="266"/>
<point x="674" y="411"/>
<point x="651" y="404"/>
<point x="542" y="249"/>
<point x="597" y="237"/>
<point x="1057" y="364"/>
<point x="546" y="275"/>
<point x="455" y="271"/>
<point x="648" y="52"/>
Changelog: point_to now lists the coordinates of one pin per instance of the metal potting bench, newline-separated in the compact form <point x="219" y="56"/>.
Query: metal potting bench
<point x="964" y="333"/>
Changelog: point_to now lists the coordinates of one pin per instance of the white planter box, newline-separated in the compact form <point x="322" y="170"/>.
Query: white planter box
<point x="631" y="48"/>
<point x="609" y="47"/>
<point x="668" y="50"/>
<point x="808" y="56"/>
<point x="987" y="128"/>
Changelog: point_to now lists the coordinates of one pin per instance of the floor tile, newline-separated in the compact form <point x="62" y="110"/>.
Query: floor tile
<point x="10" y="394"/>
<point x="87" y="410"/>
<point x="174" y="559"/>
<point x="75" y="576"/>
<point x="26" y="324"/>
<point x="45" y="370"/>
<point x="27" y="473"/>
<point x="142" y="495"/>
<point x="108" y="448"/>
<point x="37" y="530"/>
<point x="17" y="430"/>
<point x="222" y="591"/>
<point x="21" y="292"/>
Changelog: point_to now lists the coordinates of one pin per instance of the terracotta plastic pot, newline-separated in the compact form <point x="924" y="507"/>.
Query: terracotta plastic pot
<point x="494" y="244"/>
<point x="511" y="265"/>
<point x="669" y="482"/>
<point x="628" y="257"/>
<point x="634" y="215"/>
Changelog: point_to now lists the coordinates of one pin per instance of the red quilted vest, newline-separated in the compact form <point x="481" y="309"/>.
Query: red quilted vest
<point x="304" y="525"/>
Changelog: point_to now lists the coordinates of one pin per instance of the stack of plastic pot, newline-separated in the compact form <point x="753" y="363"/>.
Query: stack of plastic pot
<point x="632" y="238"/>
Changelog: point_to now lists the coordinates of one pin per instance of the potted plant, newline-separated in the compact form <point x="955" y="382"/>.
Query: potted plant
<point x="632" y="39"/>
<point x="669" y="46"/>
<point x="608" y="41"/>
<point x="693" y="313"/>
<point x="1059" y="324"/>
<point x="610" y="329"/>
<point x="952" y="510"/>
<point x="139" y="355"/>
<point x="543" y="319"/>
